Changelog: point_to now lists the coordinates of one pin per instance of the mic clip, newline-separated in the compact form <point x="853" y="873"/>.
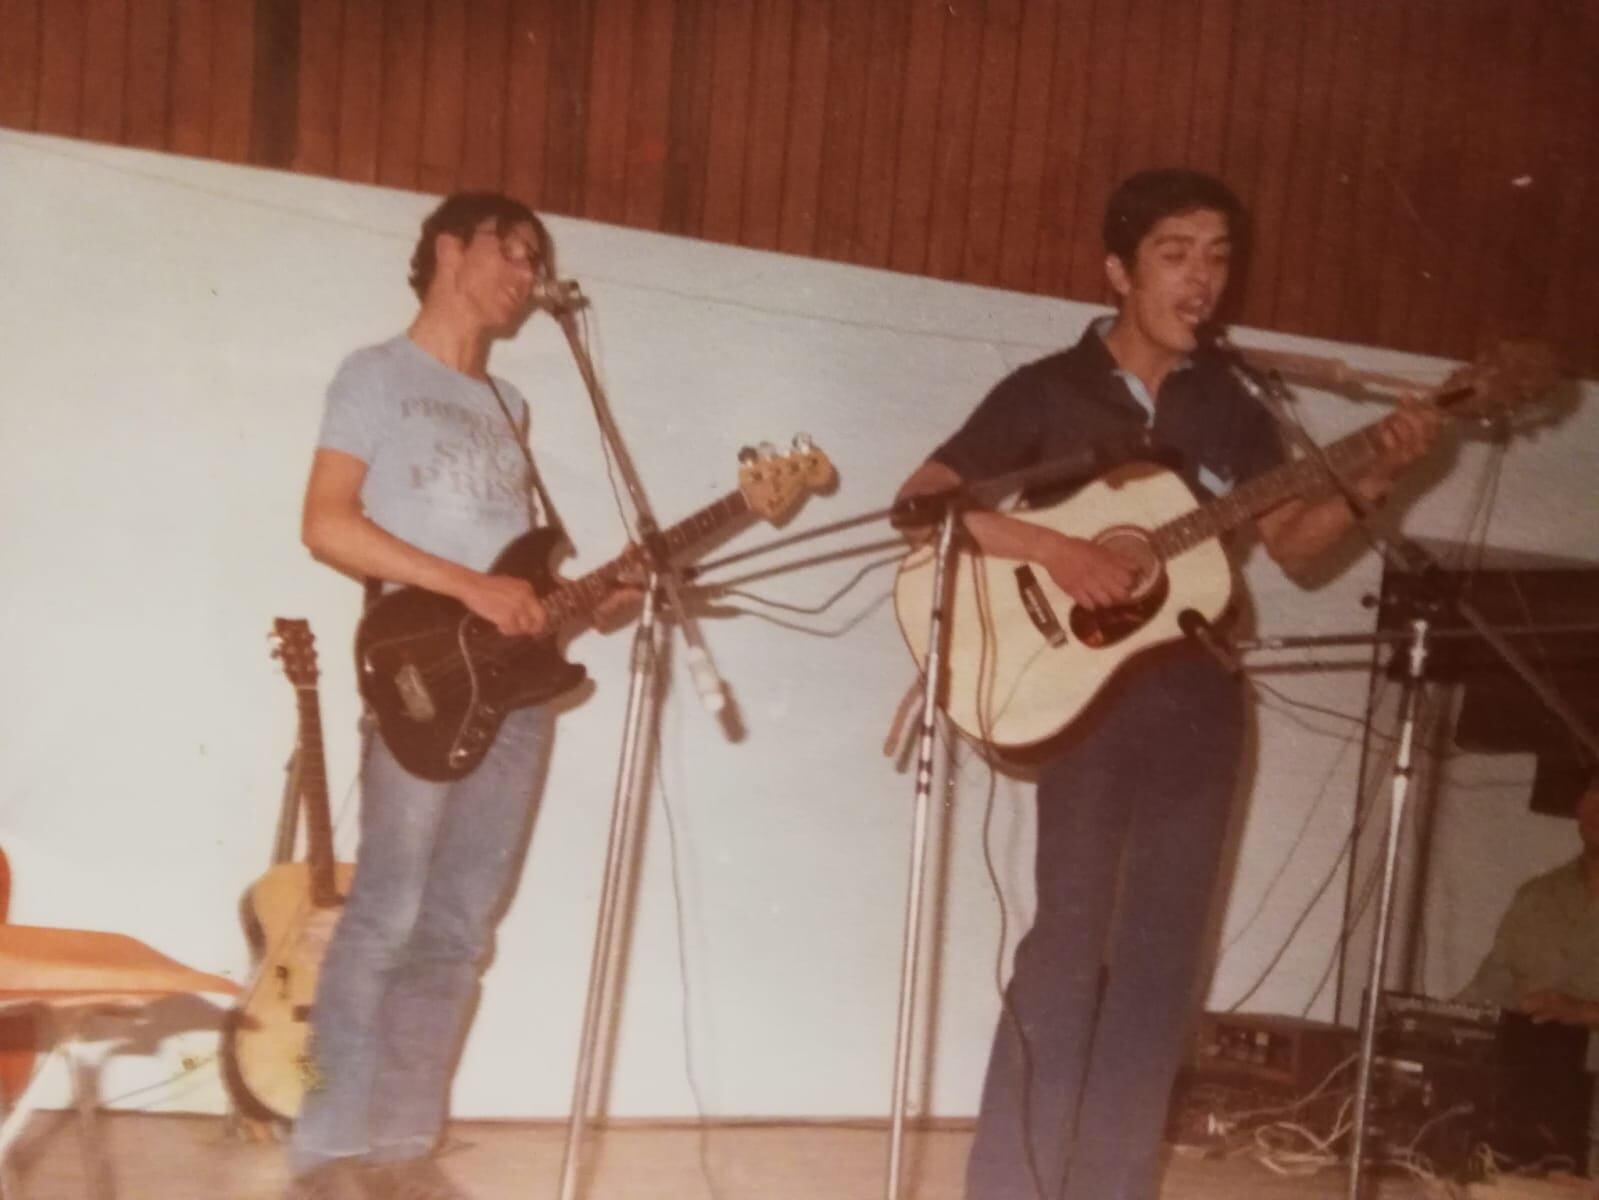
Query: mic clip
<point x="1197" y="628"/>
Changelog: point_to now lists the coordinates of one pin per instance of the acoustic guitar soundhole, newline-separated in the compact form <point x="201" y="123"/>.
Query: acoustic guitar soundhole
<point x="1101" y="627"/>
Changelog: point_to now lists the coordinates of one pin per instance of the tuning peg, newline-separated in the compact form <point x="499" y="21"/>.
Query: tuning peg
<point x="747" y="456"/>
<point x="803" y="443"/>
<point x="768" y="450"/>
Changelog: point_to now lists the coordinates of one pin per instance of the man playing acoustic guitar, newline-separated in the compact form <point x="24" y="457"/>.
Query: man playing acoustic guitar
<point x="421" y="477"/>
<point x="1134" y="798"/>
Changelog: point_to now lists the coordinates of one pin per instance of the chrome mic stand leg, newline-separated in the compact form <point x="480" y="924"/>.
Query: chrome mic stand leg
<point x="620" y="858"/>
<point x="913" y="906"/>
<point x="1403" y="770"/>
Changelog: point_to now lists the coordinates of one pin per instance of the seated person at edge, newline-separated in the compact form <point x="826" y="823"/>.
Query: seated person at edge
<point x="1544" y="961"/>
<point x="1134" y="798"/>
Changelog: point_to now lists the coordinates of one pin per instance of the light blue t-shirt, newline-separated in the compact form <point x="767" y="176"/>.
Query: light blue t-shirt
<point x="445" y="471"/>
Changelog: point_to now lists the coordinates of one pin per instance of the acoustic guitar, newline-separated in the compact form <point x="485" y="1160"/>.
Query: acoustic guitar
<point x="1024" y="660"/>
<point x="289" y="916"/>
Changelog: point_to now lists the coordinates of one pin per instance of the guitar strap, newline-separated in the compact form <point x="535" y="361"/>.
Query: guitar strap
<point x="373" y="588"/>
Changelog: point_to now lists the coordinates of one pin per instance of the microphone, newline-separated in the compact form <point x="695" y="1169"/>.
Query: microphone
<point x="1196" y="628"/>
<point x="557" y="295"/>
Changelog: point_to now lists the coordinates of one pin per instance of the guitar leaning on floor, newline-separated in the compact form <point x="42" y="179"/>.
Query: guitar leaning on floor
<point x="440" y="680"/>
<point x="289" y="915"/>
<point x="1024" y="660"/>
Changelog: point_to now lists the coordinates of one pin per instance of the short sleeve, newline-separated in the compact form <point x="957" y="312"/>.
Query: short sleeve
<point x="1003" y="433"/>
<point x="353" y="420"/>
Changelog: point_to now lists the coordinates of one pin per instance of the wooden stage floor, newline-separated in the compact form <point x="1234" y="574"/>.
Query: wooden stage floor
<point x="183" y="1157"/>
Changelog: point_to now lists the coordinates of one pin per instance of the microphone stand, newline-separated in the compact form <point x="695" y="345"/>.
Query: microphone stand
<point x="638" y="741"/>
<point x="1400" y="552"/>
<point x="932" y="674"/>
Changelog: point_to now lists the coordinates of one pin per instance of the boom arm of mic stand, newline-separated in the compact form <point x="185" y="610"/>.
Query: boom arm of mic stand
<point x="712" y="692"/>
<point x="1401" y="552"/>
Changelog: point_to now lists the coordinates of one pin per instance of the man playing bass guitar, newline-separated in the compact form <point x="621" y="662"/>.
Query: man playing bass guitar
<point x="1133" y="799"/>
<point x="421" y="477"/>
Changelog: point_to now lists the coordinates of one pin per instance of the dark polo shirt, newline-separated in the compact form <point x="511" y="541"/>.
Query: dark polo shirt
<point x="1206" y="426"/>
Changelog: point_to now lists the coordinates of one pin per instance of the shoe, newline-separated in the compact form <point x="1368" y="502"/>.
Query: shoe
<point x="341" y="1179"/>
<point x="411" y="1179"/>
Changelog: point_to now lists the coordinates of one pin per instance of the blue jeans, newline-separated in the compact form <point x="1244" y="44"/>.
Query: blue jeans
<point x="433" y="874"/>
<point x="1132" y="816"/>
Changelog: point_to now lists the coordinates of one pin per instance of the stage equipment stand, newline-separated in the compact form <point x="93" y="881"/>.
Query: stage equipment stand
<point x="943" y="557"/>
<point x="638" y="744"/>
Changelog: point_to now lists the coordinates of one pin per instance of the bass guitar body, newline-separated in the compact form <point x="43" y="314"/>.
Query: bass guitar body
<point x="1023" y="658"/>
<point x="440" y="680"/>
<point x="265" y="1041"/>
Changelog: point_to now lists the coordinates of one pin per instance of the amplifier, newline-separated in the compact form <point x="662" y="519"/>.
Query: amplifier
<point x="1270" y="1054"/>
<point x="1449" y="1076"/>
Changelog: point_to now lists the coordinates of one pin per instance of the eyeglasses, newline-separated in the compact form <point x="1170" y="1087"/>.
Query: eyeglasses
<point x="516" y="250"/>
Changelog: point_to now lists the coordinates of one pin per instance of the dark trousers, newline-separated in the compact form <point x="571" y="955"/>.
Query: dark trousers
<point x="1132" y="816"/>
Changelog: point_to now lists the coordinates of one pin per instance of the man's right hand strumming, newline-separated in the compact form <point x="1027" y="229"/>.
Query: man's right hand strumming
<point x="1087" y="572"/>
<point x="506" y="602"/>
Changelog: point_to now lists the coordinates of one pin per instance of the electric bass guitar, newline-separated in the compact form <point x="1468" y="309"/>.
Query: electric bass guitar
<point x="440" y="680"/>
<point x="289" y="915"/>
<point x="1024" y="660"/>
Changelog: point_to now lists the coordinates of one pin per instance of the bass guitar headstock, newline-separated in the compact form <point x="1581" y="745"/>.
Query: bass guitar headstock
<point x="294" y="645"/>
<point x="773" y="483"/>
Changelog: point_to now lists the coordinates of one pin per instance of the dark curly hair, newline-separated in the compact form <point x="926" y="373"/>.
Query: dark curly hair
<point x="1145" y="198"/>
<point x="461" y="214"/>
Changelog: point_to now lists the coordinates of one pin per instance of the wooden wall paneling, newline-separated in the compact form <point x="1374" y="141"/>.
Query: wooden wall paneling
<point x="1505" y="130"/>
<point x="1335" y="174"/>
<point x="1099" y="148"/>
<point x="193" y="53"/>
<point x="361" y="91"/>
<point x="232" y="79"/>
<point x="918" y="136"/>
<point x="400" y="84"/>
<point x="1213" y="68"/>
<point x="105" y="69"/>
<point x="1537" y="230"/>
<point x="149" y="83"/>
<point x="527" y="101"/>
<point x="1301" y="252"/>
<point x="766" y="139"/>
<point x="992" y="137"/>
<point x="609" y="101"/>
<point x="1024" y="174"/>
<point x="649" y="113"/>
<point x="688" y="135"/>
<point x="1060" y="187"/>
<point x="802" y="166"/>
<point x="483" y="114"/>
<point x="1271" y="160"/>
<point x="1378" y="115"/>
<point x="316" y="146"/>
<point x="1410" y="238"/>
<point x="730" y="47"/>
<point x="1175" y="82"/>
<point x="19" y="62"/>
<point x="438" y="166"/>
<point x="60" y="96"/>
<point x="880" y="132"/>
<point x="570" y="24"/>
<point x="1572" y="301"/>
<point x="275" y="86"/>
<point x="1438" y="189"/>
<point x="952" y="153"/>
<point x="843" y="129"/>
<point x="1141" y="31"/>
